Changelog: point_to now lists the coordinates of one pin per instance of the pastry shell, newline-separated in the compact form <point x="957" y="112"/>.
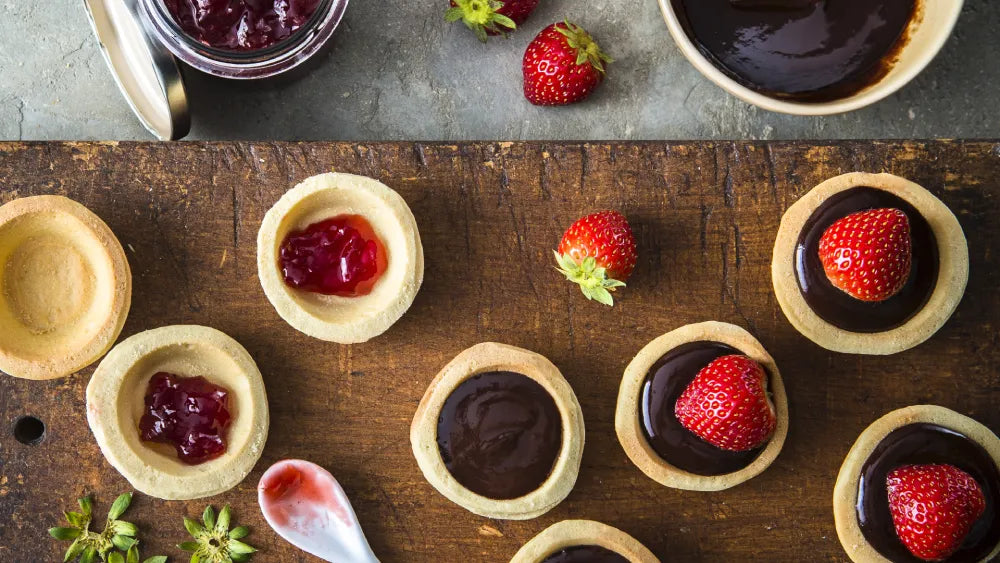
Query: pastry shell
<point x="65" y="287"/>
<point x="346" y="320"/>
<point x="953" y="269"/>
<point x="628" y="425"/>
<point x="115" y="405"/>
<point x="487" y="357"/>
<point x="845" y="492"/>
<point x="569" y="533"/>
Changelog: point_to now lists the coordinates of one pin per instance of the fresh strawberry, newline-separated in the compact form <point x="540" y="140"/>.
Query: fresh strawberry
<point x="562" y="65"/>
<point x="598" y="252"/>
<point x="490" y="17"/>
<point x="868" y="254"/>
<point x="727" y="405"/>
<point x="933" y="508"/>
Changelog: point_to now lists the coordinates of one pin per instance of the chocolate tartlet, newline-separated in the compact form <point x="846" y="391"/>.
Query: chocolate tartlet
<point x="800" y="50"/>
<point x="922" y="434"/>
<point x="499" y="432"/>
<point x="583" y="541"/>
<point x="654" y="438"/>
<point x="839" y="322"/>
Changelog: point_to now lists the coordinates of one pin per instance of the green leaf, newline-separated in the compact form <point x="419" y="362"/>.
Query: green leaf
<point x="76" y="519"/>
<point x="191" y="546"/>
<point x="239" y="532"/>
<point x="65" y="533"/>
<point x="115" y="557"/>
<point x="156" y="559"/>
<point x="74" y="551"/>
<point x="123" y="543"/>
<point x="133" y="554"/>
<point x="86" y="505"/>
<point x="453" y="15"/>
<point x="222" y="522"/>
<point x="236" y="546"/>
<point x="194" y="528"/>
<point x="195" y="558"/>
<point x="124" y="528"/>
<point x="504" y="21"/>
<point x="208" y="517"/>
<point x="88" y="555"/>
<point x="239" y="557"/>
<point x="120" y="505"/>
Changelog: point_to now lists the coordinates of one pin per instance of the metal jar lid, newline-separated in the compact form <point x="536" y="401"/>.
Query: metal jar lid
<point x="145" y="71"/>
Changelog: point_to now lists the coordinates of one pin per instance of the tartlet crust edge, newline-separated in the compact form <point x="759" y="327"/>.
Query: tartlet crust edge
<point x="568" y="533"/>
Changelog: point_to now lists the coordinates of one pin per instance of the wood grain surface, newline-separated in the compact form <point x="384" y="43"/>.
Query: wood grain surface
<point x="705" y="216"/>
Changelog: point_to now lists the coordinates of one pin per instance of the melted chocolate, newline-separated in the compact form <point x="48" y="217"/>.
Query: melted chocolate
<point x="585" y="554"/>
<point x="804" y="50"/>
<point x="919" y="444"/>
<point x="839" y="308"/>
<point x="499" y="434"/>
<point x="678" y="446"/>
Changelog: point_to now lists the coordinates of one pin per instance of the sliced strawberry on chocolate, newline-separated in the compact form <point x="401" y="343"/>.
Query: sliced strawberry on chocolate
<point x="868" y="254"/>
<point x="727" y="405"/>
<point x="933" y="508"/>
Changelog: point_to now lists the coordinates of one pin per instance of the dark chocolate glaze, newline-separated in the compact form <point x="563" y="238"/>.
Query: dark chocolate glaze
<point x="804" y="50"/>
<point x="499" y="434"/>
<point x="585" y="554"/>
<point x="918" y="444"/>
<point x="676" y="445"/>
<point x="837" y="307"/>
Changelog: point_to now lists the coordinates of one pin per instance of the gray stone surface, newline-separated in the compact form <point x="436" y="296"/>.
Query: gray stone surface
<point x="397" y="72"/>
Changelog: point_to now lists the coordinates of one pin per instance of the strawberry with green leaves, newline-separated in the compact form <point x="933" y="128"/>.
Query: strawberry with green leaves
<point x="562" y="65"/>
<point x="598" y="252"/>
<point x="490" y="17"/>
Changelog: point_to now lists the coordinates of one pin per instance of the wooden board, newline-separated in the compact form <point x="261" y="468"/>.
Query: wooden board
<point x="705" y="215"/>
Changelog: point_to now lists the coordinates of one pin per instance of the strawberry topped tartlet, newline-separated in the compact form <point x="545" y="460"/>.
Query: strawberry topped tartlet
<point x="869" y="264"/>
<point x="702" y="408"/>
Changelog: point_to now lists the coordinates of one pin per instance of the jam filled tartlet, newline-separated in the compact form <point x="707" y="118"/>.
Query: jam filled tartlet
<point x="499" y="432"/>
<point x="920" y="484"/>
<point x="65" y="287"/>
<point x="179" y="411"/>
<point x="339" y="257"/>
<point x="583" y="541"/>
<point x="702" y="408"/>
<point x="869" y="264"/>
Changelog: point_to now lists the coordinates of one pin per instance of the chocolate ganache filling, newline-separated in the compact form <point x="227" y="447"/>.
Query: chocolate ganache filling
<point x="919" y="444"/>
<point x="804" y="50"/>
<point x="585" y="554"/>
<point x="499" y="434"/>
<point x="837" y="307"/>
<point x="676" y="445"/>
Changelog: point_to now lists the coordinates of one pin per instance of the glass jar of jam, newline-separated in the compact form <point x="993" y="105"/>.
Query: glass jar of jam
<point x="242" y="38"/>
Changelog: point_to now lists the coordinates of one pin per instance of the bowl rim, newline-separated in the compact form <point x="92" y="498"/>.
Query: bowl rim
<point x="876" y="92"/>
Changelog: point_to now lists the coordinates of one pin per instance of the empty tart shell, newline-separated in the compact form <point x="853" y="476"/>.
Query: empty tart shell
<point x="115" y="404"/>
<point x="490" y="357"/>
<point x="628" y="423"/>
<point x="346" y="320"/>
<point x="65" y="287"/>
<point x="953" y="268"/>
<point x="570" y="533"/>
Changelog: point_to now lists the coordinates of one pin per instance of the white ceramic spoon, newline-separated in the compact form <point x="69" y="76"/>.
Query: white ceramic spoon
<point x="306" y="506"/>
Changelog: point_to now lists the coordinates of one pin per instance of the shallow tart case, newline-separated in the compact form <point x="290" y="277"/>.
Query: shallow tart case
<point x="578" y="533"/>
<point x="629" y="421"/>
<point x="488" y="358"/>
<point x="964" y="443"/>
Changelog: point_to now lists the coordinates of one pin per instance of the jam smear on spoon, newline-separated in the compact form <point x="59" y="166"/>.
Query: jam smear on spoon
<point x="241" y="25"/>
<point x="190" y="413"/>
<point x="338" y="256"/>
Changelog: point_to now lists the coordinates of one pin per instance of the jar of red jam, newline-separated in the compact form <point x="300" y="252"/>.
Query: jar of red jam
<point x="243" y="38"/>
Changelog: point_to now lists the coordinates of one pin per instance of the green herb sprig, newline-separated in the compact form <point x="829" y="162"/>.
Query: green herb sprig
<point x="213" y="541"/>
<point x="117" y="535"/>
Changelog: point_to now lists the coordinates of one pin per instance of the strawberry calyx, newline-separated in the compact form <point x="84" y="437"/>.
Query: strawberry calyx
<point x="481" y="16"/>
<point x="592" y="279"/>
<point x="587" y="50"/>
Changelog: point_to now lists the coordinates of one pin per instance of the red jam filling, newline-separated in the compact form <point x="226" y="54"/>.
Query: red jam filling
<point x="189" y="413"/>
<point x="241" y="25"/>
<point x="339" y="256"/>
